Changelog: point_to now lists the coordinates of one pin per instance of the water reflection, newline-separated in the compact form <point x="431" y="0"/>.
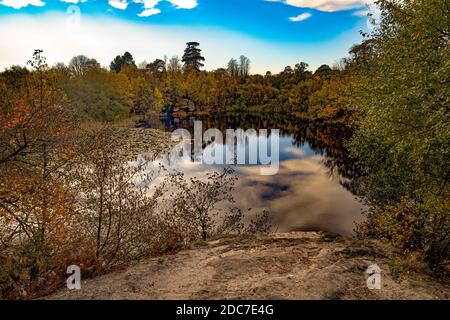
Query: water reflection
<point x="310" y="191"/>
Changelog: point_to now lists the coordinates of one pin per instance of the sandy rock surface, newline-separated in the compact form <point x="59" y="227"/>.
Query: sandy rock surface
<point x="299" y="265"/>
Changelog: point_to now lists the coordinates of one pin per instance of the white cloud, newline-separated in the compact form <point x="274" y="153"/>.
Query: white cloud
<point x="301" y="17"/>
<point x="74" y="1"/>
<point x="150" y="5"/>
<point x="184" y="4"/>
<point x="327" y="5"/>
<point x="118" y="4"/>
<point x="123" y="4"/>
<point x="17" y="4"/>
<point x="149" y="12"/>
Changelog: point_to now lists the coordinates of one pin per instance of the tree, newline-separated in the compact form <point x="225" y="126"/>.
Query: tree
<point x="127" y="59"/>
<point x="61" y="69"/>
<point x="323" y="70"/>
<point x="301" y="67"/>
<point x="288" y="70"/>
<point x="78" y="65"/>
<point x="100" y="95"/>
<point x="35" y="150"/>
<point x="174" y="65"/>
<point x="204" y="206"/>
<point x="244" y="66"/>
<point x="192" y="57"/>
<point x="233" y="68"/>
<point x="361" y="53"/>
<point x="116" y="64"/>
<point x="121" y="61"/>
<point x="159" y="99"/>
<point x="143" y="97"/>
<point x="157" y="67"/>
<point x="113" y="209"/>
<point x="300" y="71"/>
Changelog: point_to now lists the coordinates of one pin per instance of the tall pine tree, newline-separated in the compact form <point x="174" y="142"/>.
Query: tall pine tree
<point x="192" y="57"/>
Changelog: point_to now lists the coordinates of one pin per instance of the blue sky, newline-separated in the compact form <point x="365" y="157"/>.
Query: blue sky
<point x="273" y="33"/>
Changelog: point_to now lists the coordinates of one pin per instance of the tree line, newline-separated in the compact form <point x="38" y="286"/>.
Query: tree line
<point x="127" y="89"/>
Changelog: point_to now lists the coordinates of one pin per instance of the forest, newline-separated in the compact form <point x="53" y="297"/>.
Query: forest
<point x="65" y="193"/>
<point x="102" y="94"/>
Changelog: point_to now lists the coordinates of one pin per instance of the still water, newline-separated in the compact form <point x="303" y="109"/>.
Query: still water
<point x="310" y="191"/>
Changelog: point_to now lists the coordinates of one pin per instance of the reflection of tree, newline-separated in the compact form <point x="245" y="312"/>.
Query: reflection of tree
<point x="326" y="140"/>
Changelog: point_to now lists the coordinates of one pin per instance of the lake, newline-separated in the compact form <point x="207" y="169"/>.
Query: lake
<point x="310" y="191"/>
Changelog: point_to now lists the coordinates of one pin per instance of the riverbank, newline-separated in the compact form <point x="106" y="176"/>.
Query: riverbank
<point x="298" y="265"/>
<point x="255" y="111"/>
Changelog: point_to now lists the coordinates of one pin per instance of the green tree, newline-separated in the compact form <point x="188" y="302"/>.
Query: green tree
<point x="300" y="71"/>
<point x="403" y="137"/>
<point x="192" y="57"/>
<point x="323" y="70"/>
<point x="157" y="67"/>
<point x="100" y="95"/>
<point x="121" y="61"/>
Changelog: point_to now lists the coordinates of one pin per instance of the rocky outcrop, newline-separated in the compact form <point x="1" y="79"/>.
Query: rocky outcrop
<point x="299" y="265"/>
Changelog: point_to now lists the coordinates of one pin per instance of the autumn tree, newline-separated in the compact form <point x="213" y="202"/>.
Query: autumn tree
<point x="174" y="65"/>
<point x="78" y="65"/>
<point x="35" y="203"/>
<point x="114" y="211"/>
